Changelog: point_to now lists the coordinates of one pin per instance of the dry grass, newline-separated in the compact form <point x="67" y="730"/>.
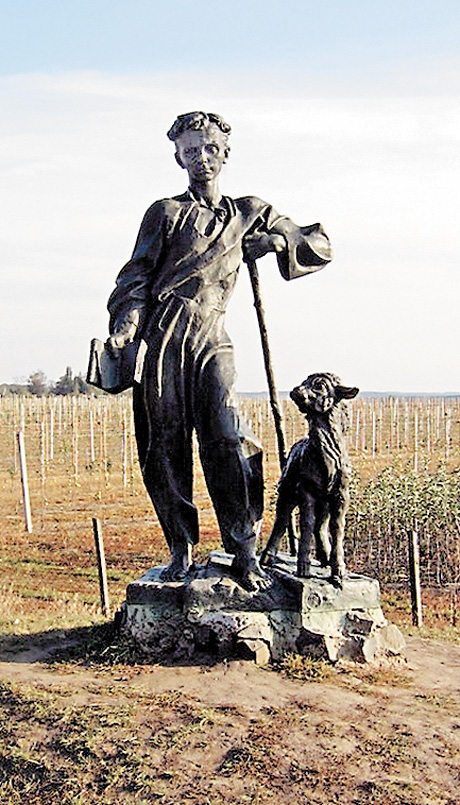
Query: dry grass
<point x="296" y="666"/>
<point x="83" y="722"/>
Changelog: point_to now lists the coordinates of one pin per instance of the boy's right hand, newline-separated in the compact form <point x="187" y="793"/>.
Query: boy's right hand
<point x="116" y="342"/>
<point x="125" y="332"/>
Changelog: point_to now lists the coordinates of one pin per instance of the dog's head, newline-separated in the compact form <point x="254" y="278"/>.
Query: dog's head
<point x="320" y="392"/>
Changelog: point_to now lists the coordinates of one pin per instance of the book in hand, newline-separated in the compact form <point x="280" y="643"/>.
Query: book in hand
<point x="115" y="373"/>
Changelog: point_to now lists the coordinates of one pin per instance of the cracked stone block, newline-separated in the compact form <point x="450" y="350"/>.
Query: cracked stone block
<point x="318" y="594"/>
<point x="391" y="640"/>
<point x="352" y="648"/>
<point x="359" y="623"/>
<point x="383" y="642"/>
<point x="256" y="650"/>
<point x="212" y="588"/>
<point x="203" y="636"/>
<point x="150" y="590"/>
<point x="312" y="645"/>
<point x="158" y="634"/>
<point x="370" y="648"/>
<point x="333" y="646"/>
<point x="329" y="622"/>
<point x="286" y="626"/>
<point x="226" y="628"/>
<point x="258" y="628"/>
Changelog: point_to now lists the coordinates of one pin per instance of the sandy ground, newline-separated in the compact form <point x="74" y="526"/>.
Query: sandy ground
<point x="234" y="732"/>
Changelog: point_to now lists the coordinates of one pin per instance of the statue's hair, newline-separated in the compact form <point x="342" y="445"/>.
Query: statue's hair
<point x="193" y="121"/>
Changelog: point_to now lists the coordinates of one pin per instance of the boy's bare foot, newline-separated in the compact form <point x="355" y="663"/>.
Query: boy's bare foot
<point x="247" y="572"/>
<point x="177" y="568"/>
<point x="337" y="578"/>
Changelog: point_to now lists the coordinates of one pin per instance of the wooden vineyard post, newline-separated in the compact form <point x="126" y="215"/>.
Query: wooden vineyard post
<point x="105" y="461"/>
<point x="447" y="426"/>
<point x="92" y="454"/>
<point x="414" y="575"/>
<point x="374" y="433"/>
<point x="51" y="434"/>
<point x="74" y="422"/>
<point x="101" y="566"/>
<point x="124" y="450"/>
<point x="131" y="449"/>
<point x="42" y="453"/>
<point x="357" y="430"/>
<point x="24" y="482"/>
<point x="428" y="428"/>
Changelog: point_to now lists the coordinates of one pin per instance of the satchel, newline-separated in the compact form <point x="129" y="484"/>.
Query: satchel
<point x="115" y="374"/>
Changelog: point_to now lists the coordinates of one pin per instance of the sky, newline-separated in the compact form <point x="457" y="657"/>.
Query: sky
<point x="344" y="112"/>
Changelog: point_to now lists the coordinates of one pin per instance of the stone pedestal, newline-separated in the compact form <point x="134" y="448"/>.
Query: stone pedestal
<point x="210" y="612"/>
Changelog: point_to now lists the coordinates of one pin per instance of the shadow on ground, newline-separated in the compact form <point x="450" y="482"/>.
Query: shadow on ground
<point x="100" y="644"/>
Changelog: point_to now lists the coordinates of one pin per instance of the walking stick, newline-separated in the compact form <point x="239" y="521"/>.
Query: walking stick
<point x="272" y="390"/>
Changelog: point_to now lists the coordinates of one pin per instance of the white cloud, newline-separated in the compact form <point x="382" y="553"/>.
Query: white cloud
<point x="83" y="155"/>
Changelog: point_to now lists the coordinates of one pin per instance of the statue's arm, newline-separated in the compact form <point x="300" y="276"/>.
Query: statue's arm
<point x="129" y="301"/>
<point x="299" y="250"/>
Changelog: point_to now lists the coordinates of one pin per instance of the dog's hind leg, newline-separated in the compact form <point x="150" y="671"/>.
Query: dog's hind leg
<point x="285" y="502"/>
<point x="284" y="508"/>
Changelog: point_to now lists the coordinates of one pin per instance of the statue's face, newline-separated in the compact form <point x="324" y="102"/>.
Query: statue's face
<point x="202" y="153"/>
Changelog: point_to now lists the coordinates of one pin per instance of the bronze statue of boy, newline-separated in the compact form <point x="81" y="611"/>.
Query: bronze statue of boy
<point x="171" y="298"/>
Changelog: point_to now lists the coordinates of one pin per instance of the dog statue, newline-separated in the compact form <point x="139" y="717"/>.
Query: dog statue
<point x="316" y="477"/>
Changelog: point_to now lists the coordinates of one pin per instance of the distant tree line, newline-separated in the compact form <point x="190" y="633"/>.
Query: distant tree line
<point x="38" y="385"/>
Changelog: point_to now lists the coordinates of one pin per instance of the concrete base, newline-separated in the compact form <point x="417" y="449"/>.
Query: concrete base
<point x="210" y="612"/>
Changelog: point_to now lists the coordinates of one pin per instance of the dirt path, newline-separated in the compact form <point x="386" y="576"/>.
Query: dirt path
<point x="237" y="733"/>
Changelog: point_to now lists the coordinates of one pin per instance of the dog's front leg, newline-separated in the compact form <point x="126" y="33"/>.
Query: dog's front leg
<point x="339" y="508"/>
<point x="307" y="529"/>
<point x="323" y="543"/>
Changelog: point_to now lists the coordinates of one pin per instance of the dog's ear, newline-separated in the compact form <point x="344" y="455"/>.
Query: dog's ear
<point x="346" y="392"/>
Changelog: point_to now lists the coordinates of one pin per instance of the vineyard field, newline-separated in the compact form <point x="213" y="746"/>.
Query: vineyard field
<point x="82" y="463"/>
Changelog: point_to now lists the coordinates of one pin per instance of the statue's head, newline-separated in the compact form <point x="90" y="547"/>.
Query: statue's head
<point x="201" y="141"/>
<point x="195" y="121"/>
